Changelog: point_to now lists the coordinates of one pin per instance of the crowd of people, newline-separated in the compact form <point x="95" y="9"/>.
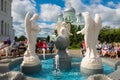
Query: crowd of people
<point x="44" y="46"/>
<point x="105" y="49"/>
<point x="112" y="49"/>
<point x="14" y="48"/>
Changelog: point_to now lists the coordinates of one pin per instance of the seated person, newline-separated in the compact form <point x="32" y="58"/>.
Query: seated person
<point x="44" y="45"/>
<point x="51" y="46"/>
<point x="3" y="48"/>
<point x="112" y="52"/>
<point x="117" y="49"/>
<point x="105" y="49"/>
<point x="39" y="44"/>
<point x="83" y="47"/>
<point x="21" y="48"/>
<point x="44" y="48"/>
<point x="111" y="48"/>
<point x="99" y="47"/>
<point x="14" y="49"/>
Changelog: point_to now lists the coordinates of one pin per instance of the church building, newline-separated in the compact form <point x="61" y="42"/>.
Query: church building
<point x="69" y="15"/>
<point x="6" y="27"/>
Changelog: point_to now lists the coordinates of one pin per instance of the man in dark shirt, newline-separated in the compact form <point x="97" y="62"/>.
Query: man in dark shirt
<point x="51" y="46"/>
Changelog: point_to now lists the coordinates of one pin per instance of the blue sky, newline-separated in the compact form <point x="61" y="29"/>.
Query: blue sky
<point x="49" y="9"/>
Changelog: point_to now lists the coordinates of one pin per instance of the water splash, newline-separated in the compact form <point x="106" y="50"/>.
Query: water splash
<point x="43" y="53"/>
<point x="57" y="70"/>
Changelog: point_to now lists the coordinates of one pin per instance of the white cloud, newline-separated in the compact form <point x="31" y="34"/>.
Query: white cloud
<point x="95" y="1"/>
<point x="118" y="5"/>
<point x="111" y="4"/>
<point x="46" y="29"/>
<point x="49" y="12"/>
<point x="19" y="9"/>
<point x="44" y="25"/>
<point x="77" y="5"/>
<point x="109" y="16"/>
<point x="19" y="30"/>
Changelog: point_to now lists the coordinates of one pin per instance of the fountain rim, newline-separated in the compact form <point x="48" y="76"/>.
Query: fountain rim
<point x="18" y="60"/>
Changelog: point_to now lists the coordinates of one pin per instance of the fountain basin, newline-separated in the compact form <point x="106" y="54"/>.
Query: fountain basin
<point x="29" y="69"/>
<point x="91" y="71"/>
<point x="91" y="66"/>
<point x="48" y="72"/>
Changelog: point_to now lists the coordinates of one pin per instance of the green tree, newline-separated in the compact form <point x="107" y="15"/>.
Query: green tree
<point x="75" y="39"/>
<point x="109" y="34"/>
<point x="22" y="38"/>
<point x="48" y="38"/>
<point x="16" y="38"/>
<point x="55" y="31"/>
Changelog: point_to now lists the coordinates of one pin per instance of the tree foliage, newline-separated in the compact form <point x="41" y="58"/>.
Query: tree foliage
<point x="75" y="39"/>
<point x="22" y="38"/>
<point x="106" y="34"/>
<point x="48" y="38"/>
<point x="109" y="34"/>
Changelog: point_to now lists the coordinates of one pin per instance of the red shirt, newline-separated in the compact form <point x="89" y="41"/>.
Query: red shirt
<point x="39" y="44"/>
<point x="44" y="45"/>
<point x="84" y="45"/>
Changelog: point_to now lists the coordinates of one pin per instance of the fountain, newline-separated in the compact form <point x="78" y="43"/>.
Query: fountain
<point x="49" y="73"/>
<point x="62" y="42"/>
<point x="91" y="63"/>
<point x="31" y="62"/>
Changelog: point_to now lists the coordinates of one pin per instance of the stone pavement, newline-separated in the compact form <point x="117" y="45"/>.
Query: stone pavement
<point x="75" y="53"/>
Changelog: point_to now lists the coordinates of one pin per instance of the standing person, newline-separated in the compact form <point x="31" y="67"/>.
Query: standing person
<point x="8" y="41"/>
<point x="51" y="46"/>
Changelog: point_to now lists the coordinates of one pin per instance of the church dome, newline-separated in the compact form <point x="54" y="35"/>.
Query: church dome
<point x="69" y="9"/>
<point x="60" y="14"/>
<point x="78" y="14"/>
